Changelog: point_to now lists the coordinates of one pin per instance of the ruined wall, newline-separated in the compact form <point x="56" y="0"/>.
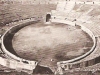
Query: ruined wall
<point x="43" y="2"/>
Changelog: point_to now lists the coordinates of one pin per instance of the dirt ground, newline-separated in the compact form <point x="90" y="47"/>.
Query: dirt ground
<point x="51" y="43"/>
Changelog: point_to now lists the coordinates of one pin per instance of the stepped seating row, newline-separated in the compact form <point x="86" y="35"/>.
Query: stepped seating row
<point x="73" y="14"/>
<point x="70" y="13"/>
<point x="63" y="8"/>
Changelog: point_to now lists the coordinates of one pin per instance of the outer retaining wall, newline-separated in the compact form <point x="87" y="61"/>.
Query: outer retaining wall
<point x="63" y="63"/>
<point x="9" y="54"/>
<point x="89" y="52"/>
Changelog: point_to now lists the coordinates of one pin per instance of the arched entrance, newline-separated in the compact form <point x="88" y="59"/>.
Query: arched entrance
<point x="48" y="17"/>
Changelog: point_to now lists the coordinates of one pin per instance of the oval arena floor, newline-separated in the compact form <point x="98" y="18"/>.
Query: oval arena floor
<point x="49" y="43"/>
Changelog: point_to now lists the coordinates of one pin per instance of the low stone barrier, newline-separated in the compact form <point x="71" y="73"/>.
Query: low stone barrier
<point x="62" y="64"/>
<point x="30" y="65"/>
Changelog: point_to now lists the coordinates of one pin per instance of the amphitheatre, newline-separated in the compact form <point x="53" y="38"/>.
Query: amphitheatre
<point x="56" y="37"/>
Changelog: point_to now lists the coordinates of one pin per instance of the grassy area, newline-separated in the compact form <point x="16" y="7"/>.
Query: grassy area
<point x="14" y="12"/>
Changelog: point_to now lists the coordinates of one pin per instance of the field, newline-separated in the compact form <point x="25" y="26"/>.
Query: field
<point x="48" y="44"/>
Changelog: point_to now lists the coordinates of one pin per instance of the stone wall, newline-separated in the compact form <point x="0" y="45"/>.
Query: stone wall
<point x="17" y="62"/>
<point x="32" y="1"/>
<point x="43" y="2"/>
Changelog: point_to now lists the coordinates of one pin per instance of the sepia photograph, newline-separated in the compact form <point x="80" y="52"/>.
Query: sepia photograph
<point x="49" y="37"/>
